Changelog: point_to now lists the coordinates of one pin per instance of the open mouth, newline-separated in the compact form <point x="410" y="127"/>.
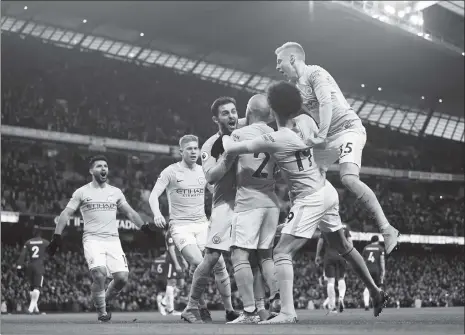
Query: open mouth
<point x="232" y="123"/>
<point x="103" y="174"/>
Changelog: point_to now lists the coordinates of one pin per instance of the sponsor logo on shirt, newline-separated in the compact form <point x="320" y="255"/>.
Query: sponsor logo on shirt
<point x="190" y="192"/>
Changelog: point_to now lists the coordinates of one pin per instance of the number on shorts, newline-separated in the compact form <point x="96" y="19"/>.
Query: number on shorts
<point x="258" y="173"/>
<point x="170" y="267"/>
<point x="371" y="258"/>
<point x="160" y="268"/>
<point x="125" y="261"/>
<point x="290" y="217"/>
<point x="347" y="149"/>
<point x="35" y="252"/>
<point x="306" y="154"/>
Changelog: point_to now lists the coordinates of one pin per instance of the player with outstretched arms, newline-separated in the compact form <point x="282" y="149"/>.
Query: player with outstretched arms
<point x="256" y="215"/>
<point x="373" y="254"/>
<point x="341" y="135"/>
<point x="98" y="203"/>
<point x="334" y="269"/>
<point x="34" y="251"/>
<point x="315" y="201"/>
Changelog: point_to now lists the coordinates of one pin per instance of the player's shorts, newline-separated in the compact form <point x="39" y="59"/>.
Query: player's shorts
<point x="35" y="275"/>
<point x="109" y="254"/>
<point x="193" y="233"/>
<point x="255" y="228"/>
<point x="335" y="268"/>
<point x="220" y="229"/>
<point x="376" y="275"/>
<point x="347" y="146"/>
<point x="320" y="209"/>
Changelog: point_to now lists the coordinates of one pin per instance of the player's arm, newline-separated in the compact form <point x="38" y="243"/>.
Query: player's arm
<point x="160" y="186"/>
<point x="131" y="214"/>
<point x="264" y="143"/>
<point x="214" y="169"/>
<point x="319" y="247"/>
<point x="322" y="88"/>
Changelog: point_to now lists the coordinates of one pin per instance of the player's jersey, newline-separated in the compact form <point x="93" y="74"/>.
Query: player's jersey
<point x="295" y="160"/>
<point x="98" y="206"/>
<point x="254" y="173"/>
<point x="224" y="191"/>
<point x="185" y="189"/>
<point x="331" y="253"/>
<point x="372" y="255"/>
<point x="318" y="87"/>
<point x="35" y="250"/>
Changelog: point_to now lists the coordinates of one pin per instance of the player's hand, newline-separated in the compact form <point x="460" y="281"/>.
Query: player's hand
<point x="315" y="141"/>
<point x="227" y="141"/>
<point x="178" y="268"/>
<point x="217" y="148"/>
<point x="159" y="221"/>
<point x="55" y="243"/>
<point x="318" y="260"/>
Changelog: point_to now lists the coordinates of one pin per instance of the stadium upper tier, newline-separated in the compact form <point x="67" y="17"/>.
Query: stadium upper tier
<point x="53" y="88"/>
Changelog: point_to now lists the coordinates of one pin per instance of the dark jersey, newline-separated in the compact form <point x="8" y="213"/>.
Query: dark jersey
<point x="34" y="251"/>
<point x="372" y="255"/>
<point x="331" y="253"/>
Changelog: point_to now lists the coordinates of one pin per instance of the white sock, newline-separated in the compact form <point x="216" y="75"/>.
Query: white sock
<point x="169" y="298"/>
<point x="285" y="277"/>
<point x="341" y="285"/>
<point x="326" y="302"/>
<point x="331" y="294"/>
<point x="31" y="304"/>
<point x="366" y="297"/>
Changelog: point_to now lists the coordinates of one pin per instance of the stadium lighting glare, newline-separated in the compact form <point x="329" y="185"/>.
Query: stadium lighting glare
<point x="141" y="34"/>
<point x="440" y="101"/>
<point x="415" y="19"/>
<point x="407" y="10"/>
<point x="463" y="53"/>
<point x="84" y="21"/>
<point x="422" y="97"/>
<point x="363" y="85"/>
<point x="25" y="7"/>
<point x="380" y="89"/>
<point x="389" y="9"/>
<point x="401" y="14"/>
<point x="420" y="34"/>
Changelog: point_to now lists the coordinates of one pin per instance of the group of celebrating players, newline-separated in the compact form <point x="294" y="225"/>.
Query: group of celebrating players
<point x="241" y="164"/>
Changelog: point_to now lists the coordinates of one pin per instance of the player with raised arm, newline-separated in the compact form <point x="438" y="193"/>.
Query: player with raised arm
<point x="218" y="172"/>
<point x="334" y="269"/>
<point x="373" y="254"/>
<point x="34" y="251"/>
<point x="341" y="134"/>
<point x="98" y="203"/>
<point x="256" y="214"/>
<point x="315" y="201"/>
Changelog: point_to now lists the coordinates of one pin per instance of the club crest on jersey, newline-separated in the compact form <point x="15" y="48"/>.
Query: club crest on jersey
<point x="202" y="181"/>
<point x="204" y="156"/>
<point x="110" y="198"/>
<point x="216" y="239"/>
<point x="182" y="241"/>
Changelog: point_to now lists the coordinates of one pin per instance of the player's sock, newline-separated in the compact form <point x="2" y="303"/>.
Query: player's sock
<point x="31" y="304"/>
<point x="358" y="264"/>
<point x="99" y="301"/>
<point x="341" y="286"/>
<point x="202" y="303"/>
<point x="259" y="292"/>
<point x="366" y="297"/>
<point x="368" y="198"/>
<point x="269" y="274"/>
<point x="112" y="291"/>
<point x="245" y="284"/>
<point x="285" y="276"/>
<point x="223" y="283"/>
<point x="325" y="303"/>
<point x="331" y="293"/>
<point x="169" y="296"/>
<point x="199" y="282"/>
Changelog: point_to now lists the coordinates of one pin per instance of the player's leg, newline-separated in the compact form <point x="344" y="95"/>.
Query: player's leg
<point x="350" y="161"/>
<point x="223" y="284"/>
<point x="117" y="265"/>
<point x="330" y="272"/>
<point x="119" y="281"/>
<point x="244" y="277"/>
<point x="36" y="281"/>
<point x="169" y="295"/>
<point x="341" y="284"/>
<point x="259" y="290"/>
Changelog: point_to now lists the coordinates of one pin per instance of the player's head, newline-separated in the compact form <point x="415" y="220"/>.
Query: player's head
<point x="258" y="110"/>
<point x="288" y="56"/>
<point x="374" y="239"/>
<point x="36" y="231"/>
<point x="225" y="114"/>
<point x="98" y="168"/>
<point x="285" y="100"/>
<point x="189" y="148"/>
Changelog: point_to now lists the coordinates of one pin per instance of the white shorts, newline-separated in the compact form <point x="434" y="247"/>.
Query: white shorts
<point x="192" y="233"/>
<point x="255" y="228"/>
<point x="320" y="209"/>
<point x="347" y="146"/>
<point x="109" y="254"/>
<point x="219" y="231"/>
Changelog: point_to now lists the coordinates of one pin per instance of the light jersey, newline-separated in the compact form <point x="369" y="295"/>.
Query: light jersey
<point x="224" y="191"/>
<point x="318" y="87"/>
<point x="254" y="173"/>
<point x="98" y="206"/>
<point x="295" y="160"/>
<point x="185" y="189"/>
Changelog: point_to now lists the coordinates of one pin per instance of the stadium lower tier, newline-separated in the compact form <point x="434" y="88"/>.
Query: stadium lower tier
<point x="433" y="276"/>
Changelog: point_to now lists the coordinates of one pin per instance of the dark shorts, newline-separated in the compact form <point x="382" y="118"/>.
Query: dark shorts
<point x="35" y="275"/>
<point x="170" y="272"/>
<point x="335" y="268"/>
<point x="376" y="275"/>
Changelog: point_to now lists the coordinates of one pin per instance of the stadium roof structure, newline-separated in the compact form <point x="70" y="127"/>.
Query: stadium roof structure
<point x="366" y="56"/>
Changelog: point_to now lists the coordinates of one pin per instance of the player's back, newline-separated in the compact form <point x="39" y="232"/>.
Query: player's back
<point x="185" y="192"/>
<point x="372" y="255"/>
<point x="224" y="190"/>
<point x="36" y="250"/>
<point x="254" y="173"/>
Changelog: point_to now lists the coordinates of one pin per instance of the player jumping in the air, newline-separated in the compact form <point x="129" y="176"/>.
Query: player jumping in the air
<point x="98" y="203"/>
<point x="341" y="135"/>
<point x="315" y="201"/>
<point x="34" y="251"/>
<point x="373" y="254"/>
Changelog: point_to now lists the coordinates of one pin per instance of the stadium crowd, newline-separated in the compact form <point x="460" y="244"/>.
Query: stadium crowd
<point x="54" y="88"/>
<point x="431" y="277"/>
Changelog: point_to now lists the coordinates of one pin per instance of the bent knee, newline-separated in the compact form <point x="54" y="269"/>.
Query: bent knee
<point x="121" y="277"/>
<point x="99" y="273"/>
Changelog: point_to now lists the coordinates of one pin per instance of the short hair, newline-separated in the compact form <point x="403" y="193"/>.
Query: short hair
<point x="284" y="99"/>
<point x="294" y="47"/>
<point x="97" y="158"/>
<point x="220" y="102"/>
<point x="374" y="238"/>
<point x="188" y="138"/>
